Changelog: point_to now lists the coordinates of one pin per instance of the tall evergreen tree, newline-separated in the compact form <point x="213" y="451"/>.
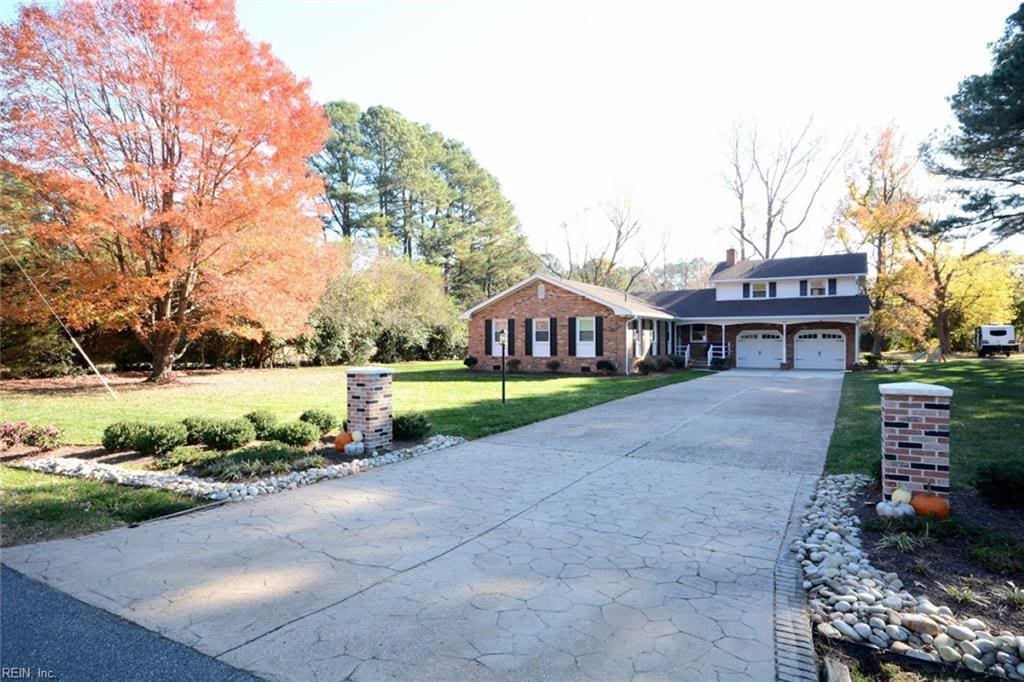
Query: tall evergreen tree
<point x="986" y="154"/>
<point x="342" y="166"/>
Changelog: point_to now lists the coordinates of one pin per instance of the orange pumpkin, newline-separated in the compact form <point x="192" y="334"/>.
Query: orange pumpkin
<point x="926" y="504"/>
<point x="343" y="439"/>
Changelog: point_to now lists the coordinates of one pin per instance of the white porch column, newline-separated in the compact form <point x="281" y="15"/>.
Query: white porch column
<point x="723" y="341"/>
<point x="856" y="343"/>
<point x="785" y="343"/>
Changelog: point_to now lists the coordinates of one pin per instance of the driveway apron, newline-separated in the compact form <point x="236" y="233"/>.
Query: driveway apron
<point x="635" y="539"/>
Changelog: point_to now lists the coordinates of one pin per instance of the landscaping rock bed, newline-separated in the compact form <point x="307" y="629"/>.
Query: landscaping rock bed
<point x="205" y="489"/>
<point x="851" y="599"/>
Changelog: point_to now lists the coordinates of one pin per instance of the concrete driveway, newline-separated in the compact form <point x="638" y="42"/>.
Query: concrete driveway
<point x="634" y="539"/>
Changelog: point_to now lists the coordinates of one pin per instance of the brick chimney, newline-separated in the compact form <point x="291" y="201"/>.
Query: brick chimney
<point x="730" y="256"/>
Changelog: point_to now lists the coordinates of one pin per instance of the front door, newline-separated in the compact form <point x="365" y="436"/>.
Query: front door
<point x="759" y="348"/>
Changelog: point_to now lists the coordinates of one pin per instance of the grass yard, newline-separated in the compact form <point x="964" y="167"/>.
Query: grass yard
<point x="987" y="415"/>
<point x="458" y="402"/>
<point x="36" y="506"/>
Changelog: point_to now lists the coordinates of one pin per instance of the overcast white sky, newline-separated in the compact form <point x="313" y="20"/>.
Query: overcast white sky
<point x="572" y="103"/>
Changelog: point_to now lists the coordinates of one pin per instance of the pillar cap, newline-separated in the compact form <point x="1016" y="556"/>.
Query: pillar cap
<point x="354" y="371"/>
<point x="915" y="388"/>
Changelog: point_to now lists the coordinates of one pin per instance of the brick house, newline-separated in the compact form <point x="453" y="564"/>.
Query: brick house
<point x="784" y="313"/>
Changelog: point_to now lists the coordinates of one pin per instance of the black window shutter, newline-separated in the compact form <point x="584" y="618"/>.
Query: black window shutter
<point x="599" y="336"/>
<point x="528" y="337"/>
<point x="572" y="337"/>
<point x="803" y="287"/>
<point x="511" y="338"/>
<point x="488" y="336"/>
<point x="771" y="290"/>
<point x="832" y="286"/>
<point x="553" y="333"/>
<point x="746" y="290"/>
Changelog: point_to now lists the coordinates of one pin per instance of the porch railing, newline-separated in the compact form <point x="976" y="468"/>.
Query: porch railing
<point x="717" y="351"/>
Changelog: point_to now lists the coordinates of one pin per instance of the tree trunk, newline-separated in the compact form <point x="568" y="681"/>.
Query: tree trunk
<point x="942" y="331"/>
<point x="163" y="348"/>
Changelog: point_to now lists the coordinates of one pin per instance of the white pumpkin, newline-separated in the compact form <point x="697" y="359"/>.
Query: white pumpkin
<point x="355" y="449"/>
<point x="904" y="509"/>
<point x="901" y="496"/>
<point x="884" y="509"/>
<point x="357" y="437"/>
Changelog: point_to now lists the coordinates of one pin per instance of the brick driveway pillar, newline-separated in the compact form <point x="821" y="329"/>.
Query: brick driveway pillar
<point x="915" y="438"/>
<point x="369" y="404"/>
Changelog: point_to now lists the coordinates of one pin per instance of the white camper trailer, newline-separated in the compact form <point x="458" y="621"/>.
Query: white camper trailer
<point x="992" y="339"/>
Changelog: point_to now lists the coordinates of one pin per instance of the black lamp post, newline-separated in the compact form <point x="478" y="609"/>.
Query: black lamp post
<point x="503" y="339"/>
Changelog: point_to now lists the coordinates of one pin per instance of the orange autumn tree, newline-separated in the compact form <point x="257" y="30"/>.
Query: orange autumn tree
<point x="170" y="153"/>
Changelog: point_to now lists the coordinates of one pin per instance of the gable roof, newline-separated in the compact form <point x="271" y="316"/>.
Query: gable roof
<point x="702" y="304"/>
<point x="621" y="303"/>
<point x="806" y="266"/>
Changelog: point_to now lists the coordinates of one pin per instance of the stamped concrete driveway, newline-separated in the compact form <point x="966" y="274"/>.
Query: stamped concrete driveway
<point x="636" y="539"/>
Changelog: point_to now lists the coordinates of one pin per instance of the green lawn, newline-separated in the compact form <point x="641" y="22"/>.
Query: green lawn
<point x="36" y="506"/>
<point x="458" y="402"/>
<point x="987" y="415"/>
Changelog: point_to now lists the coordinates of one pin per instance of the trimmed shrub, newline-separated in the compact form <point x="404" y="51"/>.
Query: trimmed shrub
<point x="1001" y="484"/>
<point x="553" y="366"/>
<point x="514" y="364"/>
<point x="121" y="436"/>
<point x="411" y="426"/>
<point x="678" y="361"/>
<point x="228" y="434"/>
<point x="322" y="419"/>
<point x="42" y="437"/>
<point x="663" y="364"/>
<point x="607" y="366"/>
<point x="160" y="439"/>
<point x="196" y="427"/>
<point x="719" y="363"/>
<point x="295" y="433"/>
<point x="263" y="422"/>
<point x="12" y="434"/>
<point x="646" y="366"/>
<point x="470" y="362"/>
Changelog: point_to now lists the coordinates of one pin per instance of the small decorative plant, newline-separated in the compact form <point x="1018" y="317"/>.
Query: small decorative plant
<point x="663" y="364"/>
<point x="411" y="426"/>
<point x="514" y="364"/>
<point x="296" y="433"/>
<point x="228" y="434"/>
<point x="470" y="362"/>
<point x="553" y="366"/>
<point x="678" y="361"/>
<point x="646" y="366"/>
<point x="196" y="427"/>
<point x="606" y="366"/>
<point x="263" y="422"/>
<point x="322" y="419"/>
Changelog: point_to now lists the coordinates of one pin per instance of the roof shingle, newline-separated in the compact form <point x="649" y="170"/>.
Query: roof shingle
<point x="806" y="266"/>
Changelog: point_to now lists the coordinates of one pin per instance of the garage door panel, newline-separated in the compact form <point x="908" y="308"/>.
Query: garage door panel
<point x="820" y="349"/>
<point x="759" y="349"/>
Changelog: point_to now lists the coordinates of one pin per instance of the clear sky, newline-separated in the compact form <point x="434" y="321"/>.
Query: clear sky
<point x="573" y="103"/>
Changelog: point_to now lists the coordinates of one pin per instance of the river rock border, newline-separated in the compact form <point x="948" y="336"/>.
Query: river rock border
<point x="850" y="599"/>
<point x="216" y="491"/>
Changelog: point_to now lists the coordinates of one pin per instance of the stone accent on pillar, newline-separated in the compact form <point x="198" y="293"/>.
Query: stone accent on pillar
<point x="915" y="438"/>
<point x="369" y="405"/>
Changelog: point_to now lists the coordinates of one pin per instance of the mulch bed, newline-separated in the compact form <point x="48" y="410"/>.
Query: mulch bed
<point x="945" y="560"/>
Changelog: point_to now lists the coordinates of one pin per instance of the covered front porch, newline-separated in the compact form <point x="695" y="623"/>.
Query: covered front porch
<point x="792" y="343"/>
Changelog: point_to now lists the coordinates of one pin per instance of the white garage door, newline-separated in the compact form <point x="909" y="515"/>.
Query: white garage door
<point x="820" y="349"/>
<point x="759" y="348"/>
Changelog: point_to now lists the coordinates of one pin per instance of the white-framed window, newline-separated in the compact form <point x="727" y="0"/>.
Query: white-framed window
<point x="759" y="289"/>
<point x="497" y="326"/>
<point x="541" y="337"/>
<point x="698" y="333"/>
<point x="586" y="337"/>
<point x="817" y="287"/>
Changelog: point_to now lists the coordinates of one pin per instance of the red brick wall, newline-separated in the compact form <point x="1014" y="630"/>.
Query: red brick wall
<point x="557" y="302"/>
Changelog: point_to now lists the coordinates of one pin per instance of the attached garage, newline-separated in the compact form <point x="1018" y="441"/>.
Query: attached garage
<point x="819" y="349"/>
<point x="759" y="348"/>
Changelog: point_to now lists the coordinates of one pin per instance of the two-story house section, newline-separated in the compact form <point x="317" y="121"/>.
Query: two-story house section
<point x="783" y="313"/>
